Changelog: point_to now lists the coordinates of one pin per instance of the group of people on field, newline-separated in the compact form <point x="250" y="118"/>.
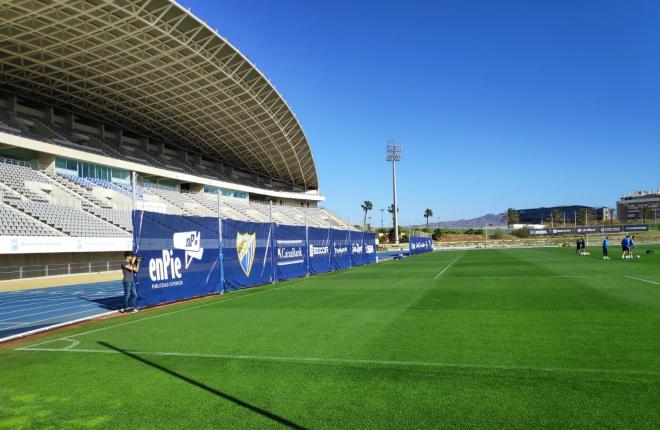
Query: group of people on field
<point x="580" y="246"/>
<point x="627" y="246"/>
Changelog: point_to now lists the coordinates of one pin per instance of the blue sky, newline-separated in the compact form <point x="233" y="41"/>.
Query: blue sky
<point x="496" y="104"/>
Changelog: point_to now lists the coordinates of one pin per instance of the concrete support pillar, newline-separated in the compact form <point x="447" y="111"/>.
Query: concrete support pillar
<point x="46" y="162"/>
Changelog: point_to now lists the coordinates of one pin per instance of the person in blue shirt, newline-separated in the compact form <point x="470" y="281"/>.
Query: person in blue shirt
<point x="625" y="246"/>
<point x="605" y="257"/>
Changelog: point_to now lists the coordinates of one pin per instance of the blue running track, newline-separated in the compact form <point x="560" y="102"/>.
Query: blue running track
<point x="28" y="310"/>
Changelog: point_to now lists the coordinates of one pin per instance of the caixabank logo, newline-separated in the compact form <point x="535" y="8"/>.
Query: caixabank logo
<point x="290" y="252"/>
<point x="167" y="270"/>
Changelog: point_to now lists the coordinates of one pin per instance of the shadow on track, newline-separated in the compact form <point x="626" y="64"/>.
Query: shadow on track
<point x="204" y="387"/>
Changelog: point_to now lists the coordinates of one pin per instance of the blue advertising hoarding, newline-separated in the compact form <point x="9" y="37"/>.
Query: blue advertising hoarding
<point x="341" y="249"/>
<point x="357" y="248"/>
<point x="180" y="257"/>
<point x="419" y="244"/>
<point x="247" y="252"/>
<point x="290" y="252"/>
<point x="319" y="250"/>
<point x="370" y="248"/>
<point x="183" y="256"/>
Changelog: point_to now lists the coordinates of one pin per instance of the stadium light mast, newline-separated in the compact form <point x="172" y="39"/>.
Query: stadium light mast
<point x="394" y="155"/>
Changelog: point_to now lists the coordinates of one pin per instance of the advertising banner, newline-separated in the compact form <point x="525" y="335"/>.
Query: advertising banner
<point x="319" y="250"/>
<point x="370" y="248"/>
<point x="290" y="252"/>
<point x="180" y="257"/>
<point x="247" y="251"/>
<point x="357" y="248"/>
<point x="419" y="244"/>
<point x="638" y="227"/>
<point x="341" y="249"/>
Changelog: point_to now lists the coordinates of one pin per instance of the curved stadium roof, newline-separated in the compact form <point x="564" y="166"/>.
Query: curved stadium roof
<point x="153" y="67"/>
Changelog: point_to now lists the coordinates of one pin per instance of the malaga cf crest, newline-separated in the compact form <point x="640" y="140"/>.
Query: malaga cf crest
<point x="246" y="248"/>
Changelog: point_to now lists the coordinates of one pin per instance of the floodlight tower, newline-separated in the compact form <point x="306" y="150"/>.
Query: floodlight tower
<point x="394" y="155"/>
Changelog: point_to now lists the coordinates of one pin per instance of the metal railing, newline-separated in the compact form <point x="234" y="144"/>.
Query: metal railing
<point x="39" y="270"/>
<point x="15" y="162"/>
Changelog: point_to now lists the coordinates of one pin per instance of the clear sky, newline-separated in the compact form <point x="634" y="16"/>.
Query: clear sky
<point x="496" y="103"/>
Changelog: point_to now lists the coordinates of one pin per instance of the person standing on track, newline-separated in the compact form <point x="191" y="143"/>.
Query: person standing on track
<point x="578" y="244"/>
<point x="605" y="243"/>
<point x="129" y="267"/>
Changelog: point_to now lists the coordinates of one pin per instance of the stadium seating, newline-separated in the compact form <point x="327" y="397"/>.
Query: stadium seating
<point x="83" y="218"/>
<point x="15" y="223"/>
<point x="36" y="203"/>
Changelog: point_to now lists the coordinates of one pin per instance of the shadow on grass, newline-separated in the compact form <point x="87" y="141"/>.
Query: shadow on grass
<point x="206" y="388"/>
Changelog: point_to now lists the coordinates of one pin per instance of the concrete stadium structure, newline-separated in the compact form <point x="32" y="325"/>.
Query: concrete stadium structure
<point x="94" y="94"/>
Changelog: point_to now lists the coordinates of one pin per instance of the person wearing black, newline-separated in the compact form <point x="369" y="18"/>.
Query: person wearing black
<point x="578" y="243"/>
<point x="129" y="267"/>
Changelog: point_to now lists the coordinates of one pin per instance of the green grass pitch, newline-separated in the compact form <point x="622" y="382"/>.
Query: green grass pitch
<point x="515" y="339"/>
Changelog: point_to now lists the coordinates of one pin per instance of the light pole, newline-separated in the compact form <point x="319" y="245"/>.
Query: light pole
<point x="369" y="225"/>
<point x="394" y="155"/>
<point x="382" y="225"/>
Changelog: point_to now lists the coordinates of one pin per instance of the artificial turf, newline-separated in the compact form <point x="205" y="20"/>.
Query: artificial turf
<point x="527" y="338"/>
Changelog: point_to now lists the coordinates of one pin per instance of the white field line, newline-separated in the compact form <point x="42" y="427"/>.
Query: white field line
<point x="68" y="338"/>
<point x="348" y="361"/>
<point x="643" y="280"/>
<point x="54" y="326"/>
<point x="529" y="277"/>
<point x="448" y="266"/>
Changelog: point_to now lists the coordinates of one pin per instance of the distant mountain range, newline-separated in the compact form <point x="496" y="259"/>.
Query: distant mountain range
<point x="484" y="220"/>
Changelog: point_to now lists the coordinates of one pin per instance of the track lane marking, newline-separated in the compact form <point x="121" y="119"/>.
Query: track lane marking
<point x="449" y="265"/>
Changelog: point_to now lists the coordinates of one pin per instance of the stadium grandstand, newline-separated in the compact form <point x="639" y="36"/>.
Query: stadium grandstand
<point x="106" y="107"/>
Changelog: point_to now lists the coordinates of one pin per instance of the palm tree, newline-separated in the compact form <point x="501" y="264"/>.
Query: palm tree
<point x="366" y="207"/>
<point x="511" y="216"/>
<point x="390" y="209"/>
<point x="427" y="214"/>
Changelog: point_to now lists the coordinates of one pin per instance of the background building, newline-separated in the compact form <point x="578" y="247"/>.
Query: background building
<point x="639" y="206"/>
<point x="569" y="214"/>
